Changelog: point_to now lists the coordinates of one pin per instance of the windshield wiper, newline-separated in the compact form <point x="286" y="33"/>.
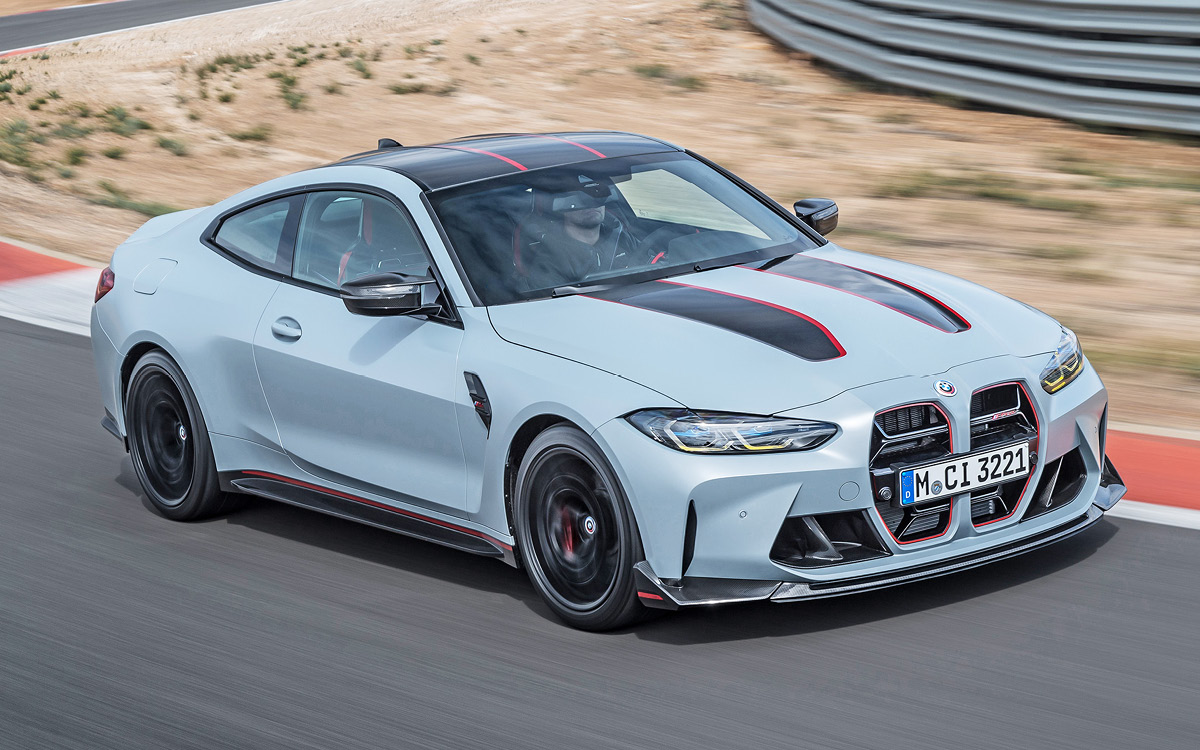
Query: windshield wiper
<point x="666" y="272"/>
<point x="567" y="291"/>
<point x="724" y="263"/>
<point x="774" y="262"/>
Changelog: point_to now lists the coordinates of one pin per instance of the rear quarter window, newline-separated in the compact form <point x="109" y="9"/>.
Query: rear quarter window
<point x="262" y="235"/>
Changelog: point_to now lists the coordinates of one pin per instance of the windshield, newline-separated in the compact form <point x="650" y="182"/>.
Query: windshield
<point x="610" y="221"/>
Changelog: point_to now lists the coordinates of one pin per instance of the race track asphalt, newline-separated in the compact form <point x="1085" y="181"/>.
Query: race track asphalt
<point x="281" y="628"/>
<point x="27" y="30"/>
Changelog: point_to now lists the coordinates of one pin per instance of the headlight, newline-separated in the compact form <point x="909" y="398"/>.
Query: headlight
<point x="1065" y="365"/>
<point x="716" y="432"/>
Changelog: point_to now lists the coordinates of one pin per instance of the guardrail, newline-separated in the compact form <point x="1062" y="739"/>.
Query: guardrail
<point x="1130" y="64"/>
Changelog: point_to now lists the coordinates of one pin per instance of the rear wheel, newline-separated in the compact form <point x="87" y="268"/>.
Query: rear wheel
<point x="169" y="445"/>
<point x="576" y="533"/>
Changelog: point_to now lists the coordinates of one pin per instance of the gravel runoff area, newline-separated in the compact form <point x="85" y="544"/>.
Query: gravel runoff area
<point x="1098" y="229"/>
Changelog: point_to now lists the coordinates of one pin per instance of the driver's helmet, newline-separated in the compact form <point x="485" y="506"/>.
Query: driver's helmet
<point x="577" y="192"/>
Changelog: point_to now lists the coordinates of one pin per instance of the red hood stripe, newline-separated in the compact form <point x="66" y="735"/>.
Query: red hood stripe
<point x="873" y="287"/>
<point x="841" y="352"/>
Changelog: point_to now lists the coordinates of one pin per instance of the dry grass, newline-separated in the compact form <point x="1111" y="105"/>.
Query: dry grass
<point x="1098" y="229"/>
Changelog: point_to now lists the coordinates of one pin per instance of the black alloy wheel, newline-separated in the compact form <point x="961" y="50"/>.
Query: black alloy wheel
<point x="576" y="534"/>
<point x="161" y="439"/>
<point x="168" y="442"/>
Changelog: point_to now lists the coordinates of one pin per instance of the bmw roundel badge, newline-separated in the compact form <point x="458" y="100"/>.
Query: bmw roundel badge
<point x="945" y="388"/>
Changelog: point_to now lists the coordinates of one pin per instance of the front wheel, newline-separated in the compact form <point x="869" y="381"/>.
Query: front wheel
<point x="576" y="533"/>
<point x="168" y="443"/>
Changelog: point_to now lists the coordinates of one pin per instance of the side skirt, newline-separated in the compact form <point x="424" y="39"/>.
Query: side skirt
<point x="360" y="509"/>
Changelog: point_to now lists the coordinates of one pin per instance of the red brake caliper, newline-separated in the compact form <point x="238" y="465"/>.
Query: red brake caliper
<point x="568" y="532"/>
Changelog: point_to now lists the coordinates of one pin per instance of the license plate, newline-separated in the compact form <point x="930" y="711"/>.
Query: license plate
<point x="964" y="473"/>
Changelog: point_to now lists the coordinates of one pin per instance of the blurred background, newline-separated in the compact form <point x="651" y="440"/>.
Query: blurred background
<point x="1045" y="149"/>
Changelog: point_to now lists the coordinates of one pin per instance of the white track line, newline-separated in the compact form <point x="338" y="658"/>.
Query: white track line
<point x="38" y="46"/>
<point x="1165" y="514"/>
<point x="62" y="301"/>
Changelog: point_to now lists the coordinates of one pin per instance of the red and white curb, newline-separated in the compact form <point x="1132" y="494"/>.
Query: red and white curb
<point x="47" y="45"/>
<point x="57" y="293"/>
<point x="46" y="290"/>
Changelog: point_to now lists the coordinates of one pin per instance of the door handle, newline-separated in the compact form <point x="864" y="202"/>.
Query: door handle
<point x="286" y="328"/>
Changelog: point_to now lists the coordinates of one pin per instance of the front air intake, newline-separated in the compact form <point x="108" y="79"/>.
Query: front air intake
<point x="826" y="539"/>
<point x="1061" y="481"/>
<point x="906" y="435"/>
<point x="1001" y="414"/>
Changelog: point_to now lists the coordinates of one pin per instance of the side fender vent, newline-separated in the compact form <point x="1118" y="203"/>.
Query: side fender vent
<point x="689" y="538"/>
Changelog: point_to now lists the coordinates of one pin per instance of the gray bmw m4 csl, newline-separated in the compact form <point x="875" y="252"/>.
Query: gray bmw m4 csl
<point x="602" y="358"/>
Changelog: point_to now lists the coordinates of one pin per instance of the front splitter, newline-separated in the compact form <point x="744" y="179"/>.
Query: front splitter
<point x="691" y="592"/>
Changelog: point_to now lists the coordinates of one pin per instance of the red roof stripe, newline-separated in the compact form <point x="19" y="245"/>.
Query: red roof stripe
<point x="516" y="164"/>
<point x="565" y="140"/>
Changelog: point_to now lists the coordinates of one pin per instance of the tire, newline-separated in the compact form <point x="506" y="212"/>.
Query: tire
<point x="576" y="533"/>
<point x="169" y="445"/>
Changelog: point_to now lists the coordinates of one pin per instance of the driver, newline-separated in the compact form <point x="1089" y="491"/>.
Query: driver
<point x="572" y="236"/>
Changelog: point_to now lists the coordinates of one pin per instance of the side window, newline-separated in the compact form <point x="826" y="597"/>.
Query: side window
<point x="260" y="235"/>
<point x="345" y="235"/>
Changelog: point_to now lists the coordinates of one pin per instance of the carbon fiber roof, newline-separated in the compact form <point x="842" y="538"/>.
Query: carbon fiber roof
<point x="441" y="165"/>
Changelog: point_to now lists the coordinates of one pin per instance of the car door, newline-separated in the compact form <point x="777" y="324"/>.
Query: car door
<point x="366" y="402"/>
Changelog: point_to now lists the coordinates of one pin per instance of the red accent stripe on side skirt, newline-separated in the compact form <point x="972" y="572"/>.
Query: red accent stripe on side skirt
<point x="832" y="339"/>
<point x="381" y="506"/>
<point x="505" y="159"/>
<point x="565" y="140"/>
<point x="647" y="595"/>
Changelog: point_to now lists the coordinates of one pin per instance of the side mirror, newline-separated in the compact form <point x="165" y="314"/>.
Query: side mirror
<point x="819" y="213"/>
<point x="391" y="294"/>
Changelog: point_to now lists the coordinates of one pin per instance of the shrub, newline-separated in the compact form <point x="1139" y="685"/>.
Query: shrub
<point x="408" y="88"/>
<point x="119" y="121"/>
<point x="179" y="148"/>
<point x="257" y="133"/>
<point x="117" y="198"/>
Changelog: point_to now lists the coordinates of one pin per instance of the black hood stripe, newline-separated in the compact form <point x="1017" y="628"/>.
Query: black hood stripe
<point x="780" y="327"/>
<point x="877" y="288"/>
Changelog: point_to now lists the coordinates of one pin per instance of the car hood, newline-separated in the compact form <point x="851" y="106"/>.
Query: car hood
<point x="761" y="342"/>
